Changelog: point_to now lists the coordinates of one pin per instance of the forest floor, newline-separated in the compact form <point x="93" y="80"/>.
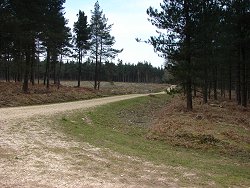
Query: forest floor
<point x="11" y="93"/>
<point x="148" y="141"/>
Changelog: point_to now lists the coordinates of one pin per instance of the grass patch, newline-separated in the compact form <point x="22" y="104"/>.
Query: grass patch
<point x="139" y="127"/>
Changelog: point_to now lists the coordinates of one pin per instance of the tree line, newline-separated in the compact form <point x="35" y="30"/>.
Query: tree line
<point x="143" y="72"/>
<point x="31" y="29"/>
<point x="206" y="44"/>
<point x="27" y="29"/>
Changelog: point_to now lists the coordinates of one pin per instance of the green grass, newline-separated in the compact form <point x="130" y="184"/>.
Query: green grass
<point x="123" y="127"/>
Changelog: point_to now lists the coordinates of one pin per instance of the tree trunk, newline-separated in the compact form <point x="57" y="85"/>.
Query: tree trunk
<point x="6" y="68"/>
<point x="38" y="69"/>
<point x="59" y="73"/>
<point x="195" y="90"/>
<point x="238" y="84"/>
<point x="205" y="87"/>
<point x="188" y="56"/>
<point x="230" y="81"/>
<point x="248" y="90"/>
<point x="209" y="89"/>
<point x="243" y="78"/>
<point x="79" y="68"/>
<point x="99" y="73"/>
<point x="53" y="66"/>
<point x="33" y="59"/>
<point x="189" y="94"/>
<point x="48" y="69"/>
<point x="215" y="82"/>
<point x="45" y="74"/>
<point x="54" y="72"/>
<point x="38" y="64"/>
<point x="19" y="61"/>
<point x="99" y="68"/>
<point x="26" y="72"/>
<point x="96" y="65"/>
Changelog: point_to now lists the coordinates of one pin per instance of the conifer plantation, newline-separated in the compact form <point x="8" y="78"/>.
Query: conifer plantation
<point x="35" y="41"/>
<point x="206" y="45"/>
<point x="82" y="105"/>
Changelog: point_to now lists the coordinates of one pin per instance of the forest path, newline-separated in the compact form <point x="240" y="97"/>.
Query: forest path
<point x="34" y="154"/>
<point x="52" y="109"/>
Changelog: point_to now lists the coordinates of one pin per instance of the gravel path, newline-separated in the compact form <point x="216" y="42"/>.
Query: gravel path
<point x="50" y="109"/>
<point x="34" y="154"/>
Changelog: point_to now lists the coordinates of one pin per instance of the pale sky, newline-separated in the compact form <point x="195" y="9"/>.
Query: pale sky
<point x="130" y="21"/>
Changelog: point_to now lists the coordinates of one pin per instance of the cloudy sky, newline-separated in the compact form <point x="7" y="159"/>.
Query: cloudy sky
<point x="130" y="21"/>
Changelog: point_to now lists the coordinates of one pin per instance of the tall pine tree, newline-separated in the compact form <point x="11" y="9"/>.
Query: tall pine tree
<point x="175" y="22"/>
<point x="82" y="35"/>
<point x="101" y="41"/>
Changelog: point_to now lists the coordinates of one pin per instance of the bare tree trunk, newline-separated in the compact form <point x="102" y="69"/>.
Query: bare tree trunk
<point x="215" y="82"/>
<point x="38" y="64"/>
<point x="53" y="66"/>
<point x="38" y="70"/>
<point x="248" y="91"/>
<point x="238" y="83"/>
<point x="230" y="81"/>
<point x="59" y="73"/>
<point x="209" y="89"/>
<point x="45" y="74"/>
<point x="96" y="64"/>
<point x="6" y="67"/>
<point x="99" y="68"/>
<point x="19" y="61"/>
<point x="205" y="87"/>
<point x="26" y="72"/>
<point x="79" y="68"/>
<point x="194" y="89"/>
<point x="243" y="78"/>
<point x="48" y="69"/>
<point x="32" y="72"/>
<point x="188" y="58"/>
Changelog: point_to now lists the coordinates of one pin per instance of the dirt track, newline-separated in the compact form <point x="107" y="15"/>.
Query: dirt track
<point x="29" y="111"/>
<point x="34" y="154"/>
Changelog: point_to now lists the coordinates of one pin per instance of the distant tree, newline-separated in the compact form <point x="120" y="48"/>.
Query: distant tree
<point x="82" y="35"/>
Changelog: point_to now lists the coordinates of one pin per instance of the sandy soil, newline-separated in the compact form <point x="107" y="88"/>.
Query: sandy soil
<point x="34" y="154"/>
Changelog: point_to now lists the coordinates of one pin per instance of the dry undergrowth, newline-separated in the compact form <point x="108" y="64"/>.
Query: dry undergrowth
<point x="11" y="92"/>
<point x="221" y="126"/>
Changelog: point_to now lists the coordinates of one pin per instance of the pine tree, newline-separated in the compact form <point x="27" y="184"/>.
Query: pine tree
<point x="207" y="44"/>
<point x="176" y="18"/>
<point x="101" y="41"/>
<point x="82" y="35"/>
<point x="53" y="34"/>
<point x="241" y="16"/>
<point x="28" y="17"/>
